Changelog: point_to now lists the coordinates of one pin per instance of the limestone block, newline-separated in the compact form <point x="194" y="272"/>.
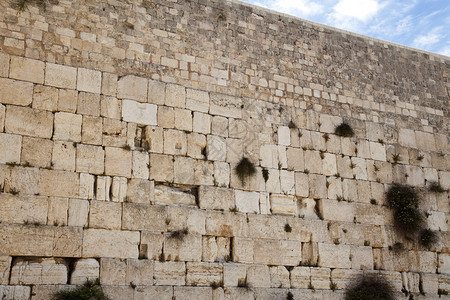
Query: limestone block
<point x="15" y="92"/>
<point x="175" y="96"/>
<point x="226" y="106"/>
<point x="287" y="182"/>
<point x="26" y="69"/>
<point x="444" y="179"/>
<point x="188" y="292"/>
<point x="182" y="247"/>
<point x="90" y="159"/>
<point x="67" y="100"/>
<point x="57" y="211"/>
<point x="360" y="170"/>
<point x="343" y="278"/>
<point x="42" y="271"/>
<point x="425" y="141"/>
<point x="215" y="249"/>
<point x="153" y="292"/>
<point x="109" y="84"/>
<point x="334" y="256"/>
<point x="5" y="266"/>
<point x="67" y="242"/>
<point x="216" y="148"/>
<point x="395" y="278"/>
<point x="144" y="217"/>
<point x="329" y="123"/>
<point x="300" y="277"/>
<point x="235" y="150"/>
<point x="140" y="271"/>
<point x="313" y="162"/>
<point x="173" y="195"/>
<point x="110" y="107"/>
<point x="15" y="292"/>
<point x="336" y="210"/>
<point x="264" y="203"/>
<point x="153" y="139"/>
<point x="243" y="250"/>
<point x="216" y="198"/>
<point x="201" y="123"/>
<point x="60" y="76"/>
<point x="182" y="217"/>
<point x="350" y="190"/>
<point x="89" y="81"/>
<point x="273" y="183"/>
<point x="78" y="212"/>
<point x="233" y="274"/>
<point x="141" y="163"/>
<point x="161" y="168"/>
<point x="203" y="173"/>
<point x="22" y="180"/>
<point x="113" y="271"/>
<point x="92" y="132"/>
<point x="221" y="174"/>
<point x="151" y="246"/>
<point x="10" y="148"/>
<point x="45" y="98"/>
<point x="334" y="187"/>
<point x="263" y="252"/>
<point x="30" y="122"/>
<point x="317" y="186"/>
<point x="320" y="278"/>
<point x="361" y="258"/>
<point x="295" y="159"/>
<point x="2" y="117"/>
<point x="141" y="113"/>
<point x="58" y="183"/>
<point x="436" y="221"/>
<point x="63" y="156"/>
<point x="118" y="162"/>
<point x="4" y="63"/>
<point x="195" y="145"/>
<point x="132" y="87"/>
<point x="183" y="119"/>
<point x="348" y="146"/>
<point x="374" y="131"/>
<point x="301" y="184"/>
<point x="317" y="141"/>
<point x="247" y="201"/>
<point x="183" y="167"/>
<point x="430" y="283"/>
<point x="107" y="215"/>
<point x="226" y="224"/>
<point x="362" y="148"/>
<point x="364" y="193"/>
<point x="269" y="156"/>
<point x="307" y="209"/>
<point x="258" y="276"/>
<point x="279" y="277"/>
<point x="175" y="142"/>
<point x="169" y="273"/>
<point x="85" y="269"/>
<point x="283" y="205"/>
<point x="20" y="209"/>
<point x="119" y="292"/>
<point x="219" y="126"/>
<point x="377" y="151"/>
<point x="197" y="100"/>
<point x="156" y="92"/>
<point x="385" y="259"/>
<point x="291" y="253"/>
<point x="284" y="136"/>
<point x="166" y="117"/>
<point x="36" y="152"/>
<point x="140" y="191"/>
<point x="120" y="244"/>
<point x="329" y="166"/>
<point x="423" y="261"/>
<point x="415" y="176"/>
<point x="22" y="240"/>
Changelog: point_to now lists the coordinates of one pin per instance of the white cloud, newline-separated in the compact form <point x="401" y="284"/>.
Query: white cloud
<point x="362" y="10"/>
<point x="426" y="40"/>
<point x="300" y="8"/>
<point x="445" y="51"/>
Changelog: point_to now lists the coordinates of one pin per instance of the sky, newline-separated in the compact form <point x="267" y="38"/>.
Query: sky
<point x="416" y="23"/>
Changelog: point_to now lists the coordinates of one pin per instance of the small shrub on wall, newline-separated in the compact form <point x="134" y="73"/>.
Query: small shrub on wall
<point x="245" y="169"/>
<point x="344" y="130"/>
<point x="370" y="288"/>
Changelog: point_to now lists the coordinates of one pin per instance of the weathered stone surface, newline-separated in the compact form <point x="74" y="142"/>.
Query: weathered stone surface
<point x="183" y="167"/>
<point x="92" y="130"/>
<point x="121" y="244"/>
<point x="216" y="198"/>
<point x="175" y="96"/>
<point x="85" y="269"/>
<point x="30" y="122"/>
<point x="110" y="107"/>
<point x="336" y="210"/>
<point x="58" y="183"/>
<point x="156" y="92"/>
<point x="140" y="191"/>
<point x="300" y="277"/>
<point x="226" y="224"/>
<point x="140" y="271"/>
<point x="361" y="258"/>
<point x="187" y="292"/>
<point x="216" y="148"/>
<point x="343" y="278"/>
<point x="258" y="276"/>
<point x="4" y="63"/>
<point x="141" y="113"/>
<point x="203" y="273"/>
<point x="107" y="215"/>
<point x="60" y="76"/>
<point x="179" y="246"/>
<point x="45" y="98"/>
<point x="175" y="142"/>
<point x="169" y="273"/>
<point x="197" y="100"/>
<point x="279" y="277"/>
<point x="10" y="148"/>
<point x="5" y="266"/>
<point x="67" y="100"/>
<point x="27" y="69"/>
<point x="132" y="87"/>
<point x="37" y="152"/>
<point x="118" y="162"/>
<point x="63" y="156"/>
<point x="172" y="195"/>
<point x="90" y="159"/>
<point x="153" y="292"/>
<point x="161" y="168"/>
<point x="89" y="80"/>
<point x="41" y="271"/>
<point x="151" y="245"/>
<point x="113" y="271"/>
<point x="225" y="106"/>
<point x="23" y="209"/>
<point x="9" y="92"/>
<point x="320" y="278"/>
<point x="143" y="217"/>
<point x="247" y="201"/>
<point x="334" y="256"/>
<point x="283" y="205"/>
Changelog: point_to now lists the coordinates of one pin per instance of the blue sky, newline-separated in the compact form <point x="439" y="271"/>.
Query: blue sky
<point x="416" y="23"/>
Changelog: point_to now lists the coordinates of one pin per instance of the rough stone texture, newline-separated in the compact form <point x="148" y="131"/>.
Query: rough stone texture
<point x="60" y="76"/>
<point x="122" y="244"/>
<point x="29" y="122"/>
<point x="169" y="273"/>
<point x="85" y="269"/>
<point x="216" y="198"/>
<point x="27" y="69"/>
<point x="132" y="87"/>
<point x="43" y="271"/>
<point x="141" y="113"/>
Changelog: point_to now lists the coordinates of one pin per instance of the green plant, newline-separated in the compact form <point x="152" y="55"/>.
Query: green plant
<point x="287" y="227"/>
<point x="126" y="147"/>
<point x="420" y="157"/>
<point x="333" y="286"/>
<point x="322" y="154"/>
<point x="221" y="16"/>
<point x="290" y="296"/>
<point x="234" y="209"/>
<point x="373" y="201"/>
<point x="306" y="171"/>
<point x="442" y="292"/>
<point x="366" y="243"/>
<point x="292" y="125"/>
<point x="395" y="158"/>
<point x="435" y="187"/>
<point x="344" y="130"/>
<point x="179" y="234"/>
<point x="245" y="169"/>
<point x="352" y="165"/>
<point x="13" y="191"/>
<point x="311" y="287"/>
<point x="370" y="288"/>
<point x="91" y="290"/>
<point x="300" y="134"/>
<point x="326" y="137"/>
<point x="408" y="219"/>
<point x="265" y="174"/>
<point x="23" y="4"/>
<point x="215" y="285"/>
<point x="427" y="238"/>
<point x="381" y="141"/>
<point x="399" y="196"/>
<point x="242" y="282"/>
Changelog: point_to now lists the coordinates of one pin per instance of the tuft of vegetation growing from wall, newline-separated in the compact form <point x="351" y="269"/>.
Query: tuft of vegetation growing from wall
<point x="428" y="238"/>
<point x="91" y="290"/>
<point x="370" y="288"/>
<point x="344" y="130"/>
<point x="245" y="169"/>
<point x="436" y="187"/>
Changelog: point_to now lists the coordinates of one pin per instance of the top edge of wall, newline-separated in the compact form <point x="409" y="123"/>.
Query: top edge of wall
<point x="323" y="26"/>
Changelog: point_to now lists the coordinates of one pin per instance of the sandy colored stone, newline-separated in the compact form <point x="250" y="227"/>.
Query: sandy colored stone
<point x="151" y="245"/>
<point x="216" y="148"/>
<point x="5" y="266"/>
<point x="58" y="183"/>
<point x="118" y="161"/>
<point x="109" y="84"/>
<point x="110" y="107"/>
<point x="41" y="271"/>
<point x="113" y="271"/>
<point x="89" y="80"/>
<point x="203" y="273"/>
<point x="91" y="132"/>
<point x="120" y="244"/>
<point x="283" y="205"/>
<point x="156" y="92"/>
<point x="183" y="119"/>
<point x="140" y="191"/>
<point x="23" y="209"/>
<point x="320" y="278"/>
<point x="247" y="201"/>
<point x="90" y="159"/>
<point x="197" y="100"/>
<point x="132" y="87"/>
<point x="85" y="269"/>
<point x="175" y="142"/>
<point x="169" y="273"/>
<point x="141" y="113"/>
<point x="29" y="122"/>
<point x="63" y="156"/>
<point x="27" y="69"/>
<point x="57" y="211"/>
<point x="88" y="104"/>
<point x="342" y="278"/>
<point x="67" y="127"/>
<point x="60" y="76"/>
<point x="106" y="215"/>
<point x="4" y="63"/>
<point x="78" y="212"/>
<point x="143" y="217"/>
<point x="182" y="247"/>
<point x="45" y="98"/>
<point x="216" y="198"/>
<point x="10" y="148"/>
<point x="300" y="277"/>
<point x="67" y="100"/>
<point x="173" y="195"/>
<point x="279" y="277"/>
<point x="161" y="168"/>
<point x="258" y="276"/>
<point x="175" y="96"/>
<point x="183" y="167"/>
<point x="37" y="152"/>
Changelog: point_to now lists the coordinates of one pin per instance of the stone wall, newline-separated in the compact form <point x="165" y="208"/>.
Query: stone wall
<point x="122" y="123"/>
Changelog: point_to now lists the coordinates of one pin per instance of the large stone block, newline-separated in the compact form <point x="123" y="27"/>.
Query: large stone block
<point x="179" y="246"/>
<point x="224" y="105"/>
<point x="88" y="104"/>
<point x="203" y="273"/>
<point x="26" y="69"/>
<point x="197" y="100"/>
<point x="216" y="148"/>
<point x="118" y="162"/>
<point x="334" y="256"/>
<point x="247" y="201"/>
<point x="57" y="211"/>
<point x="141" y="113"/>
<point x="175" y="96"/>
<point x="23" y="180"/>
<point x="78" y="212"/>
<point x="58" y="183"/>
<point x="242" y="249"/>
<point x="264" y="250"/>
<point x="424" y="261"/>
<point x="10" y="148"/>
<point x="151" y="245"/>
<point x="67" y="100"/>
<point x="140" y="191"/>
<point x="144" y="217"/>
<point x="90" y="159"/>
<point x="175" y="142"/>
<point x="343" y="278"/>
<point x="140" y="271"/>
<point x="60" y="76"/>
<point x="132" y="87"/>
<point x="153" y="292"/>
<point x="169" y="273"/>
<point x="67" y="127"/>
<point x="37" y="152"/>
<point x="295" y="160"/>
<point x="107" y="215"/>
<point x="2" y="117"/>
<point x="15" y="92"/>
<point x="120" y="244"/>
<point x="283" y="205"/>
<point x="85" y="269"/>
<point x="92" y="132"/>
<point x="156" y="92"/>
<point x="226" y="224"/>
<point x="284" y="136"/>
<point x="361" y="257"/>
<point x="279" y="277"/>
<point x="258" y="276"/>
<point x="216" y="198"/>
<point x="182" y="217"/>
<point x="317" y="186"/>
<point x="4" y="63"/>
<point x="172" y="195"/>
<point x="183" y="167"/>
<point x="161" y="168"/>
<point x="63" y="156"/>
<point x="336" y="210"/>
<point x="41" y="271"/>
<point x="320" y="278"/>
<point x="110" y="107"/>
<point x="30" y="122"/>
<point x="234" y="274"/>
<point x="300" y="277"/>
<point x="113" y="271"/>
<point x="89" y="80"/>
<point x="23" y="209"/>
<point x="153" y="139"/>
<point x="5" y="267"/>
